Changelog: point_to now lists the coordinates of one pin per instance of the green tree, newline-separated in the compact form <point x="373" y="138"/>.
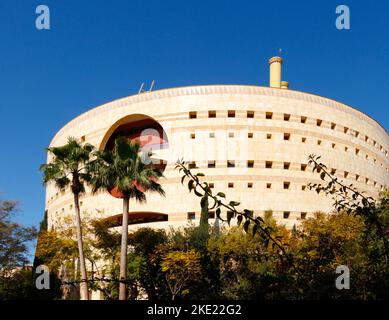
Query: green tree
<point x="14" y="238"/>
<point x="105" y="240"/>
<point x="68" y="168"/>
<point x="349" y="199"/>
<point x="324" y="242"/>
<point x="249" y="264"/>
<point x="179" y="268"/>
<point x="18" y="286"/>
<point x="130" y="174"/>
<point x="143" y="267"/>
<point x="58" y="250"/>
<point x="144" y="243"/>
<point x="16" y="280"/>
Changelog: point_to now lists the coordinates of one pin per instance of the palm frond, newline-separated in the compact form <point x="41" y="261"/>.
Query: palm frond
<point x="68" y="165"/>
<point x="124" y="168"/>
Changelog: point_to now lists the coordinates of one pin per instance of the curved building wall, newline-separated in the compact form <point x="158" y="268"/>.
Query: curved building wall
<point x="251" y="143"/>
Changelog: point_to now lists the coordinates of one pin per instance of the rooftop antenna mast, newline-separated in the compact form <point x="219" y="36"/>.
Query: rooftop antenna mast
<point x="141" y="88"/>
<point x="152" y="85"/>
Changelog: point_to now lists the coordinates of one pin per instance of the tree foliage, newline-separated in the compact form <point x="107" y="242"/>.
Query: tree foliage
<point x="16" y="281"/>
<point x="127" y="169"/>
<point x="348" y="198"/>
<point x="68" y="167"/>
<point x="130" y="173"/>
<point x="179" y="267"/>
<point x="14" y="238"/>
<point x="256" y="259"/>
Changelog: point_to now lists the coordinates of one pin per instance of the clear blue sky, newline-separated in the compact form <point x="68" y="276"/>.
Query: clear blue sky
<point x="97" y="51"/>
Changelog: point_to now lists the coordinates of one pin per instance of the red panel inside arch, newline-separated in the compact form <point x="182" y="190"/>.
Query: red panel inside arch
<point x="146" y="132"/>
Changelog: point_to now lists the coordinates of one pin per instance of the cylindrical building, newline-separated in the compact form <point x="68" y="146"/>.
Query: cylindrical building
<point x="251" y="142"/>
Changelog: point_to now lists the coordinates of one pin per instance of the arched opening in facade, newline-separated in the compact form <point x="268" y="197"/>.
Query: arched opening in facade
<point x="140" y="127"/>
<point x="151" y="136"/>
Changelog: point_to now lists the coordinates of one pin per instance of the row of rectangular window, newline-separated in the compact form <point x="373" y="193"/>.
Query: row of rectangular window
<point x="212" y="215"/>
<point x="250" y="164"/>
<point x="250" y="185"/>
<point x="286" y="215"/>
<point x="269" y="136"/>
<point x="303" y="119"/>
<point x="269" y="165"/>
<point x="286" y="185"/>
<point x="287" y="137"/>
<point x="192" y="215"/>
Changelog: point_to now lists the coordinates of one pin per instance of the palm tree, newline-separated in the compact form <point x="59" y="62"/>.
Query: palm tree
<point x="126" y="173"/>
<point x="68" y="167"/>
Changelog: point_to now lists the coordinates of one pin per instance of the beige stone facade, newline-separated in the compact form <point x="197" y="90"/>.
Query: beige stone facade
<point x="251" y="142"/>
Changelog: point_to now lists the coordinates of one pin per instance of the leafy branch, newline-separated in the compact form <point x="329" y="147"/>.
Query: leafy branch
<point x="347" y="198"/>
<point x="244" y="217"/>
